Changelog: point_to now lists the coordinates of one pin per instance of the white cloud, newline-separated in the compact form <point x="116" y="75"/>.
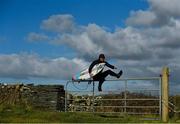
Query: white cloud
<point x="80" y="43"/>
<point x="25" y="66"/>
<point x="166" y="7"/>
<point x="59" y="23"/>
<point x="37" y="37"/>
<point x="141" y="18"/>
<point x="125" y="44"/>
<point x="160" y="13"/>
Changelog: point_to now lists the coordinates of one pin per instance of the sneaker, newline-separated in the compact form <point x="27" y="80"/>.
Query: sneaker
<point x="119" y="74"/>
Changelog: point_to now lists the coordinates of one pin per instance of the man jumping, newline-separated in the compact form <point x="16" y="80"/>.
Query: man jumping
<point x="102" y="75"/>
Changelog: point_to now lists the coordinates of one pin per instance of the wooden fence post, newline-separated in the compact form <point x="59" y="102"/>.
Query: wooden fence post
<point x="165" y="94"/>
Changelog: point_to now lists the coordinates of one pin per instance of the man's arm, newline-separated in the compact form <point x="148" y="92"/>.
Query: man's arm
<point x="91" y="66"/>
<point x="109" y="65"/>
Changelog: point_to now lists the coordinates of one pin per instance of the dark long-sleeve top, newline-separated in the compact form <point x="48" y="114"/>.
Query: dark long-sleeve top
<point x="97" y="62"/>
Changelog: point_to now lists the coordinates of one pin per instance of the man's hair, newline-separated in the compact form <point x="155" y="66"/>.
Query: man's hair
<point x="101" y="56"/>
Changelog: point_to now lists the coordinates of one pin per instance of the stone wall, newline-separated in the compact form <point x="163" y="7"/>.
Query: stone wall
<point x="44" y="97"/>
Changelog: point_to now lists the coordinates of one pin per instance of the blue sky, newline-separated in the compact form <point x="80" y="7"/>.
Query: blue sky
<point x="50" y="40"/>
<point x="19" y="17"/>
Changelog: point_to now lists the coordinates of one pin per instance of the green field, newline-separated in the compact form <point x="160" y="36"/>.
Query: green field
<point x="22" y="111"/>
<point x="55" y="117"/>
<point x="17" y="114"/>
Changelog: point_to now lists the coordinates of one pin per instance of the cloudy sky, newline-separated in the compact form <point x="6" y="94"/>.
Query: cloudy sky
<point x="45" y="40"/>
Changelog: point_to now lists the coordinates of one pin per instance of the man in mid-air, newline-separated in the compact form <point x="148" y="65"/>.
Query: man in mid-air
<point x="102" y="75"/>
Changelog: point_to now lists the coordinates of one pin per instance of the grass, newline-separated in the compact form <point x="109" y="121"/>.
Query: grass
<point x="17" y="114"/>
<point x="55" y="117"/>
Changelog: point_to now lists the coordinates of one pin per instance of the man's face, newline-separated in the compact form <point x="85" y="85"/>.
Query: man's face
<point x="102" y="59"/>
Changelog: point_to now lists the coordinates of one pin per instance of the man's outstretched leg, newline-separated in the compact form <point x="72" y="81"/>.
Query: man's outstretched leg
<point x="111" y="73"/>
<point x="104" y="74"/>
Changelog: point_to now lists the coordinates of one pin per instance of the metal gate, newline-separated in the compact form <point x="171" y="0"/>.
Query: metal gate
<point x="137" y="96"/>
